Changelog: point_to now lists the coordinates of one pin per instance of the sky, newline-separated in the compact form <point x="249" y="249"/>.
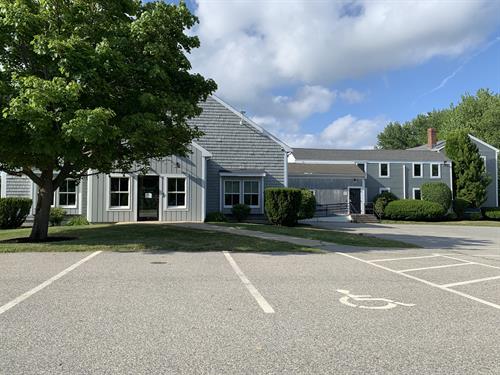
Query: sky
<point x="332" y="74"/>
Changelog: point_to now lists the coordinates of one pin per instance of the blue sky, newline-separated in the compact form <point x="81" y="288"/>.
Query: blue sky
<point x="334" y="73"/>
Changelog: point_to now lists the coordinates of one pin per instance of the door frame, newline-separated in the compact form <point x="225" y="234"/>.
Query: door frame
<point x="361" y="198"/>
<point x="160" y="196"/>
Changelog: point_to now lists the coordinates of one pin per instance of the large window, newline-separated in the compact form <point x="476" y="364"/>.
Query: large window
<point x="251" y="193"/>
<point x="435" y="170"/>
<point x="231" y="193"/>
<point x="176" y="192"/>
<point x="417" y="170"/>
<point x="67" y="193"/>
<point x="119" y="192"/>
<point x="384" y="170"/>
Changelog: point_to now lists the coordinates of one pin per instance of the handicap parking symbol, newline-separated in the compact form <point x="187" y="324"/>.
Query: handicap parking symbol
<point x="354" y="300"/>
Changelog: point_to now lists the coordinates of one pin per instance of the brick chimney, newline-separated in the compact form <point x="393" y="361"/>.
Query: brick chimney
<point x="431" y="138"/>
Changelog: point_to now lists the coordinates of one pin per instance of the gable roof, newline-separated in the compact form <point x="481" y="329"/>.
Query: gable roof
<point x="441" y="144"/>
<point x="327" y="170"/>
<point x="315" y="154"/>
<point x="251" y="123"/>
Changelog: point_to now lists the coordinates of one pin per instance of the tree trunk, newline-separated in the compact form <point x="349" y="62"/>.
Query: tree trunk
<point x="40" y="229"/>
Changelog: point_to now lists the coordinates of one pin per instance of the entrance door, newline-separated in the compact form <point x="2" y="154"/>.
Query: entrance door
<point x="355" y="200"/>
<point x="148" y="200"/>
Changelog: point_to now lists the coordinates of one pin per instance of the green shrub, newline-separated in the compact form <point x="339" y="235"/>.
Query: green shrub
<point x="56" y="216"/>
<point x="381" y="201"/>
<point x="13" y="212"/>
<point x="240" y="211"/>
<point x="410" y="209"/>
<point x="78" y="220"/>
<point x="216" y="217"/>
<point x="492" y="213"/>
<point x="437" y="192"/>
<point x="459" y="207"/>
<point x="282" y="205"/>
<point x="307" y="205"/>
<point x="474" y="216"/>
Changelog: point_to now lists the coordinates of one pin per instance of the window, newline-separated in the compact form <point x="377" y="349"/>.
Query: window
<point x="176" y="192"/>
<point x="231" y="193"/>
<point x="435" y="170"/>
<point x="417" y="170"/>
<point x="251" y="193"/>
<point x="119" y="192"/>
<point x="361" y="166"/>
<point x="416" y="193"/>
<point x="384" y="170"/>
<point x="382" y="190"/>
<point x="67" y="193"/>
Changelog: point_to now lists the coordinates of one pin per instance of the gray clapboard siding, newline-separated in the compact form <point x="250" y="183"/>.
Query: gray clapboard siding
<point x="235" y="144"/>
<point x="18" y="186"/>
<point x="492" y="170"/>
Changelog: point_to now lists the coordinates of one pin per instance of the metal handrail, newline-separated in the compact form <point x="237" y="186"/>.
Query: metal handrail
<point x="325" y="210"/>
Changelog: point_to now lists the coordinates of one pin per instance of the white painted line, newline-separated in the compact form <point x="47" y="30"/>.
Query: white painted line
<point x="433" y="267"/>
<point x="45" y="284"/>
<point x="253" y="291"/>
<point x="494" y="305"/>
<point x="404" y="258"/>
<point x="471" y="281"/>
<point x="480" y="264"/>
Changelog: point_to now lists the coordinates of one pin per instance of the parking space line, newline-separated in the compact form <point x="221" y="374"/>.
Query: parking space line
<point x="484" y="302"/>
<point x="471" y="281"/>
<point x="434" y="267"/>
<point x="403" y="258"/>
<point x="45" y="284"/>
<point x="480" y="264"/>
<point x="264" y="305"/>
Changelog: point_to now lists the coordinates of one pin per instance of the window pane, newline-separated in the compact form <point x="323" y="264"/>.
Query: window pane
<point x="236" y="199"/>
<point x="123" y="199"/>
<point x="417" y="194"/>
<point x="248" y="199"/>
<point x="417" y="169"/>
<point x="384" y="169"/>
<point x="115" y="200"/>
<point x="181" y="199"/>
<point x="71" y="185"/>
<point x="361" y="166"/>
<point x="181" y="184"/>
<point x="123" y="184"/>
<point x="63" y="199"/>
<point x="435" y="170"/>
<point x="115" y="184"/>
<point x="227" y="200"/>
<point x="255" y="200"/>
<point x="71" y="199"/>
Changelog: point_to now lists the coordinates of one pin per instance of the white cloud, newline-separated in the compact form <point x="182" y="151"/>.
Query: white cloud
<point x="352" y="96"/>
<point x="345" y="132"/>
<point x="251" y="47"/>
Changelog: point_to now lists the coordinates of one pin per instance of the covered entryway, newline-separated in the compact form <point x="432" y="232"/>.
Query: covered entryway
<point x="148" y="199"/>
<point x="355" y="204"/>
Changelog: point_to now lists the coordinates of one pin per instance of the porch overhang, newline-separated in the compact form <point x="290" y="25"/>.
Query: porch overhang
<point x="346" y="171"/>
<point x="243" y="173"/>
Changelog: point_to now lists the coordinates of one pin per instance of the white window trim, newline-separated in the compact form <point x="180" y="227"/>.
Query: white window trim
<point x="258" y="192"/>
<point x="108" y="192"/>
<point x="421" y="170"/>
<point x="77" y="196"/>
<point x="224" y="192"/>
<point x="439" y="171"/>
<point x="382" y="189"/>
<point x="414" y="190"/>
<point x="186" y="188"/>
<point x="3" y="187"/>
<point x="388" y="170"/>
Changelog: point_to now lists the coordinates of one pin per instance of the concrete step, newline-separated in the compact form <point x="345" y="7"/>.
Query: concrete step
<point x="364" y="219"/>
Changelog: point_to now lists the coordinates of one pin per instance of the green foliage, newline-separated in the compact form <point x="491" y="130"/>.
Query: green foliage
<point x="102" y="85"/>
<point x="282" y="205"/>
<point x="476" y="216"/>
<point x="240" y="211"/>
<point x="215" y="217"/>
<point x="307" y="205"/>
<point x="415" y="210"/>
<point x="471" y="179"/>
<point x="56" y="216"/>
<point x="77" y="220"/>
<point x="13" y="212"/>
<point x="492" y="213"/>
<point x="459" y="207"/>
<point x="437" y="192"/>
<point x="381" y="201"/>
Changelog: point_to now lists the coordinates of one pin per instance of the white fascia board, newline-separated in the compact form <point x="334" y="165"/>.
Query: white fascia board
<point x="203" y="151"/>
<point x="229" y="174"/>
<point x="369" y="161"/>
<point x="253" y="124"/>
<point x="483" y="143"/>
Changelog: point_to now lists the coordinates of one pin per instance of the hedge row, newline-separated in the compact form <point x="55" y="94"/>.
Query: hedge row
<point x="417" y="210"/>
<point x="491" y="213"/>
<point x="437" y="192"/>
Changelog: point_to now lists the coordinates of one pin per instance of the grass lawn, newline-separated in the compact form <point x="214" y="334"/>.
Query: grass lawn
<point x="144" y="237"/>
<point x="313" y="233"/>
<point x="473" y="223"/>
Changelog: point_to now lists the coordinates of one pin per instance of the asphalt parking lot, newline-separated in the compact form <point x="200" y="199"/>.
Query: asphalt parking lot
<point x="369" y="312"/>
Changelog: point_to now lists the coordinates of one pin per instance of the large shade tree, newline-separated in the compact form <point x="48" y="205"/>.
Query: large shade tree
<point x="93" y="85"/>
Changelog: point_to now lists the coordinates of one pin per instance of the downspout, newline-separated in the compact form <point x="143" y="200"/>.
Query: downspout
<point x="285" y="177"/>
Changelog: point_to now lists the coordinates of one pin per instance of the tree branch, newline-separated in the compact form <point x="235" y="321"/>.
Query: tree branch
<point x="36" y="179"/>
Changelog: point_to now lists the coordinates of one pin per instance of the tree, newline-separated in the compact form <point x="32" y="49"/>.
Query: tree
<point x="93" y="84"/>
<point x="471" y="179"/>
